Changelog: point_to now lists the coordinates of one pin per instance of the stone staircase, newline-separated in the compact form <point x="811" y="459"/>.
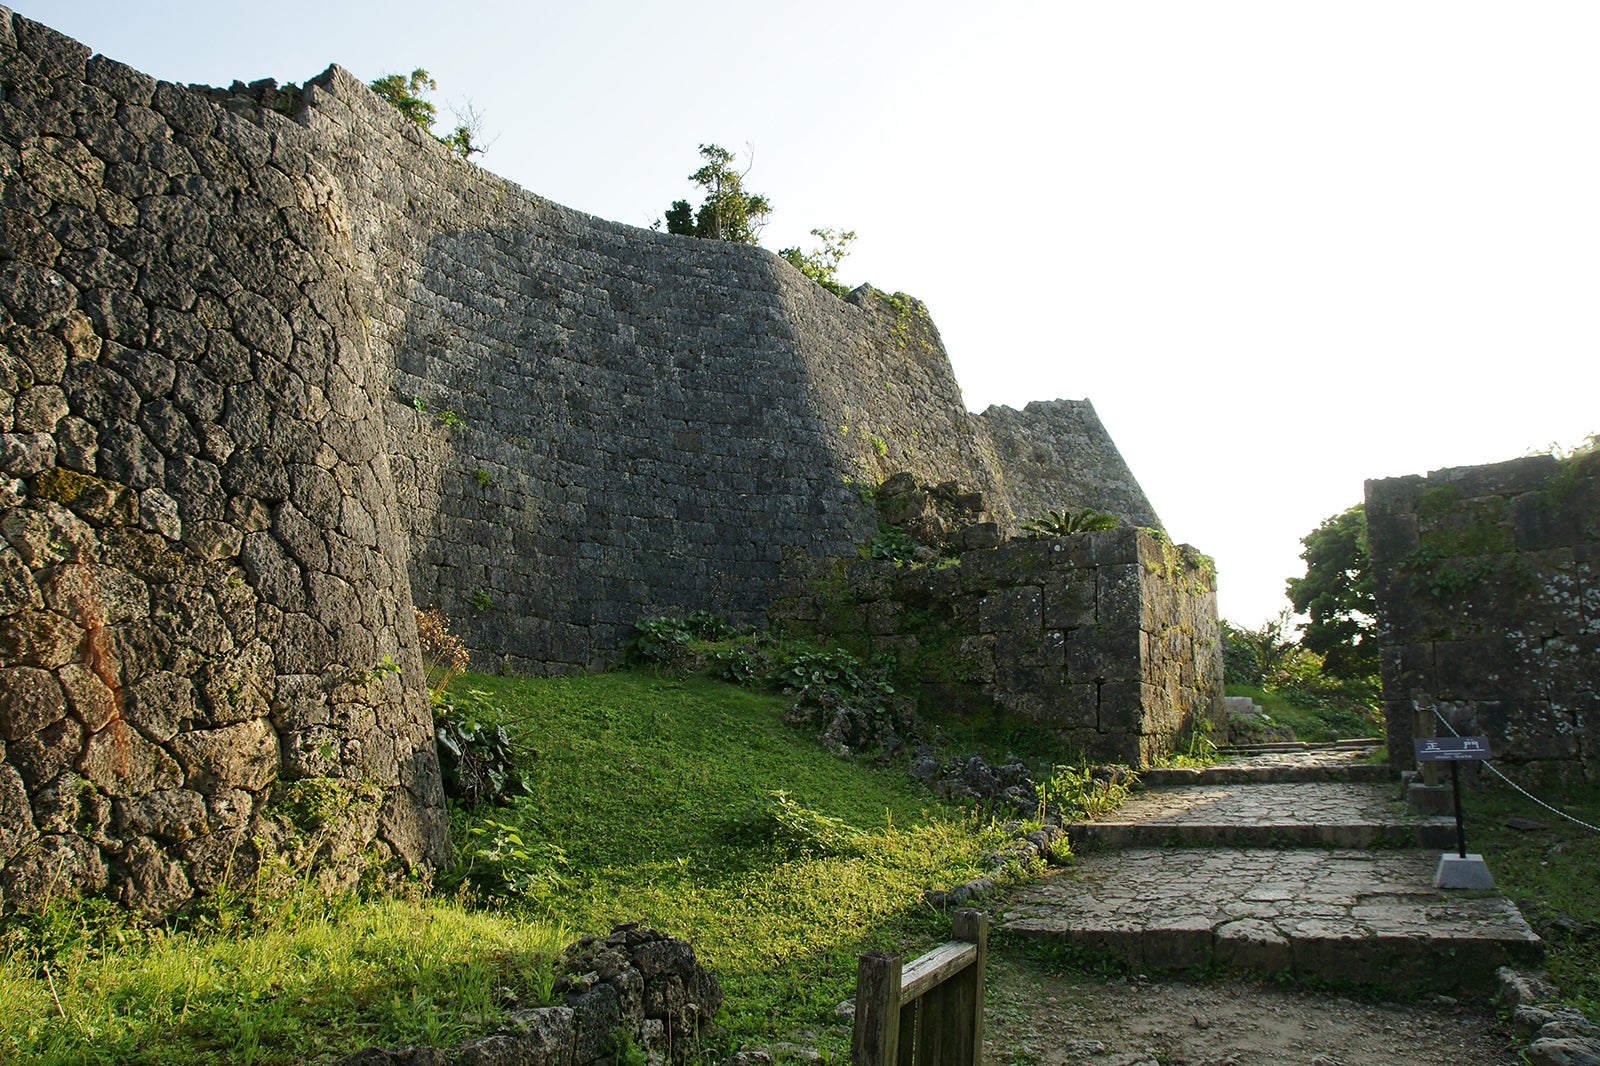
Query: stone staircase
<point x="1302" y="862"/>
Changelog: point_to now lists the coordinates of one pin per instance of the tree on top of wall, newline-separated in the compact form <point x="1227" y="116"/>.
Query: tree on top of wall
<point x="406" y="93"/>
<point x="1336" y="593"/>
<point x="821" y="265"/>
<point x="729" y="212"/>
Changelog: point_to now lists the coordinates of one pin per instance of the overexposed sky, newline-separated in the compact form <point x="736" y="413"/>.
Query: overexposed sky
<point x="1282" y="246"/>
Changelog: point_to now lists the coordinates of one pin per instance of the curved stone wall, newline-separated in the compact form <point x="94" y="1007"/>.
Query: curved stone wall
<point x="275" y="365"/>
<point x="593" y="423"/>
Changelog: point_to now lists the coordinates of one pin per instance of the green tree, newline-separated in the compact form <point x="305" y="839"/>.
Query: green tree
<point x="1261" y="656"/>
<point x="680" y="218"/>
<point x="729" y="212"/>
<point x="405" y="92"/>
<point x="1336" y="593"/>
<point x="821" y="265"/>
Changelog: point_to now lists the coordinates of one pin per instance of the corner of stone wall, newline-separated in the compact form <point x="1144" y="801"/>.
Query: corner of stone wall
<point x="1107" y="639"/>
<point x="1488" y="588"/>
<point x="1057" y="456"/>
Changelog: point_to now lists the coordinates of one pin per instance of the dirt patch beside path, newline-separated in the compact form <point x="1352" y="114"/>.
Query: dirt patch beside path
<point x="1035" y="1018"/>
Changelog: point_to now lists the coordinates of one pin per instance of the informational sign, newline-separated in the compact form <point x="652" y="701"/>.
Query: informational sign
<point x="1451" y="749"/>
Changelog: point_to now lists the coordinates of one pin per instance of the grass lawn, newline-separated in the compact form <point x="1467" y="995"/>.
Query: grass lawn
<point x="652" y="801"/>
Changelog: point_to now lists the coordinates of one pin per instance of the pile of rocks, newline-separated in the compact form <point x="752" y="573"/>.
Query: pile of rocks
<point x="638" y="985"/>
<point x="940" y="516"/>
<point x="1559" y="1035"/>
<point x="973" y="778"/>
<point x="847" y="725"/>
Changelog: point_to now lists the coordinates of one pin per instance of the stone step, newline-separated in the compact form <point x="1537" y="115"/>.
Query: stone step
<point x="1274" y="815"/>
<point x="1326" y="763"/>
<point x="1271" y="747"/>
<point x="1267" y="835"/>
<point x="1225" y="774"/>
<point x="1369" y="918"/>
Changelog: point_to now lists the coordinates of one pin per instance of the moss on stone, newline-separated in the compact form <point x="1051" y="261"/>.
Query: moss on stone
<point x="311" y="803"/>
<point x="1437" y="499"/>
<point x="66" y="487"/>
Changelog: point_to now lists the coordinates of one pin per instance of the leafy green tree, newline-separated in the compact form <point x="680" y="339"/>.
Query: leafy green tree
<point x="1336" y="593"/>
<point x="729" y="212"/>
<point x="821" y="265"/>
<point x="1260" y="656"/>
<point x="405" y="92"/>
<point x="680" y="218"/>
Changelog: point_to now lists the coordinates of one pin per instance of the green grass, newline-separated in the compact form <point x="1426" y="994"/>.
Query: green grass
<point x="1314" y="721"/>
<point x="83" y="983"/>
<point x="652" y="802"/>
<point x="658" y="789"/>
<point x="1550" y="872"/>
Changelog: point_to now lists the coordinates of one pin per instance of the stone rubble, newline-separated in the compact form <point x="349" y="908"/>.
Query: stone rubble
<point x="636" y="983"/>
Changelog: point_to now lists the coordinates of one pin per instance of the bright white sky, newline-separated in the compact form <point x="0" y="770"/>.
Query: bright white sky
<point x="1282" y="246"/>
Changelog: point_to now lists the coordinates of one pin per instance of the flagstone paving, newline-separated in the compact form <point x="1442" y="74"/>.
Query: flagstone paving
<point x="1306" y="814"/>
<point x="1201" y="876"/>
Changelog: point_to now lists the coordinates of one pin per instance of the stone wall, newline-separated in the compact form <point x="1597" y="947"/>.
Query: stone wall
<point x="275" y="365"/>
<point x="1056" y="455"/>
<point x="1109" y="639"/>
<point x="202" y="587"/>
<point x="1488" y="587"/>
<point x="592" y="423"/>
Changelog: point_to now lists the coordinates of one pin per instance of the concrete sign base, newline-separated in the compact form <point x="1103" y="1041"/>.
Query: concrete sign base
<point x="1458" y="872"/>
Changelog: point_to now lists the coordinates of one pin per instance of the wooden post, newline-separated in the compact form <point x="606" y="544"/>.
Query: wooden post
<point x="973" y="926"/>
<point x="877" y="1031"/>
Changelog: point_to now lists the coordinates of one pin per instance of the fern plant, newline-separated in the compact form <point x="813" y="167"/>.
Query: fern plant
<point x="1062" y="523"/>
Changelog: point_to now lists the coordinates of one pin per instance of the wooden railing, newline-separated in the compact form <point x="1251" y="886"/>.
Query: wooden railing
<point x="929" y="1013"/>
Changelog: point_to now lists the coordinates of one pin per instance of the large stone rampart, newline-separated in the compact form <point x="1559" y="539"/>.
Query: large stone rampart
<point x="1488" y="588"/>
<point x="591" y="422"/>
<point x="275" y="366"/>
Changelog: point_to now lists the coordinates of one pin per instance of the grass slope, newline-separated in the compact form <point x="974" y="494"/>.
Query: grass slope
<point x="1313" y="721"/>
<point x="658" y="794"/>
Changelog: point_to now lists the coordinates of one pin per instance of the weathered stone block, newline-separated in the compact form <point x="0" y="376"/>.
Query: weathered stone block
<point x="30" y="699"/>
<point x="53" y="866"/>
<point x="121" y="762"/>
<point x="1014" y="611"/>
<point x="1069" y="599"/>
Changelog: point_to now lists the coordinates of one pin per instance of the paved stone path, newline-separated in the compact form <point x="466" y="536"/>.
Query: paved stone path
<point x="1369" y="916"/>
<point x="1307" y="814"/>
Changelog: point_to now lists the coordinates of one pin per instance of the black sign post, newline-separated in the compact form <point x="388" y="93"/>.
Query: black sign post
<point x="1455" y="751"/>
